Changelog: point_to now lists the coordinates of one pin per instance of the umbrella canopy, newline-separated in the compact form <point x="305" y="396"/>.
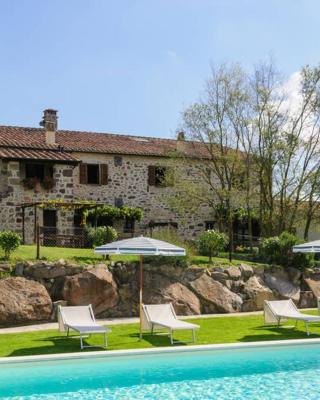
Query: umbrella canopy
<point x="142" y="246"/>
<point x="310" y="247"/>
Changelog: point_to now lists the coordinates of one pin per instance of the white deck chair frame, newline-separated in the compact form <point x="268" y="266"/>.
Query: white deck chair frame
<point x="278" y="311"/>
<point x="86" y="327"/>
<point x="172" y="323"/>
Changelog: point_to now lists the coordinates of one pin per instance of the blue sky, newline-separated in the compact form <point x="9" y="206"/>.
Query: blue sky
<point x="131" y="66"/>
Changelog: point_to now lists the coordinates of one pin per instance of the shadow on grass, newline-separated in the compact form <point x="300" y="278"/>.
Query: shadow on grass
<point x="55" y="344"/>
<point x="158" y="339"/>
<point x="71" y="344"/>
<point x="285" y="332"/>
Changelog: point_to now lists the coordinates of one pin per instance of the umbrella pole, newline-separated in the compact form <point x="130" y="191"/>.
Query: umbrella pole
<point x="140" y="294"/>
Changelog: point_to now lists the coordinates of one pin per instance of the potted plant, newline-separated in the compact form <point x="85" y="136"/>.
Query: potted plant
<point x="47" y="183"/>
<point x="30" y="183"/>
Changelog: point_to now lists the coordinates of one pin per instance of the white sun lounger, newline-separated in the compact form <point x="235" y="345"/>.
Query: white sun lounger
<point x="163" y="316"/>
<point x="80" y="319"/>
<point x="279" y="311"/>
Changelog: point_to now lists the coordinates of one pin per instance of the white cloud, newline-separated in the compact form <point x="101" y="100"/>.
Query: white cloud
<point x="291" y="90"/>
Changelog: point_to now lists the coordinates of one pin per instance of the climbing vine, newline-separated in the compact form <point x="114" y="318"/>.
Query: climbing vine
<point x="61" y="204"/>
<point x="113" y="213"/>
<point x="91" y="209"/>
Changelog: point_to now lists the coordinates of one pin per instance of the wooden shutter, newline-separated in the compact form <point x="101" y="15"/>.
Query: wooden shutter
<point x="83" y="173"/>
<point x="151" y="175"/>
<point x="103" y="174"/>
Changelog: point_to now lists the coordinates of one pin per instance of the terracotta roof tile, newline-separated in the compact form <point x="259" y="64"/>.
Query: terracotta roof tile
<point x="16" y="153"/>
<point x="78" y="141"/>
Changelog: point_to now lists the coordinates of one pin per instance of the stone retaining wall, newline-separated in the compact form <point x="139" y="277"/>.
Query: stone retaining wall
<point x="34" y="289"/>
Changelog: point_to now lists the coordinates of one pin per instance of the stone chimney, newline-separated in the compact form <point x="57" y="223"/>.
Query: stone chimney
<point x="181" y="138"/>
<point x="50" y="124"/>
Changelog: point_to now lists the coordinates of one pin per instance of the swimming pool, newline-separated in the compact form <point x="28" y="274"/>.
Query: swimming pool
<point x="286" y="371"/>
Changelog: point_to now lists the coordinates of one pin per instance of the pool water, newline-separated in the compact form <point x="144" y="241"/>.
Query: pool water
<point x="278" y="372"/>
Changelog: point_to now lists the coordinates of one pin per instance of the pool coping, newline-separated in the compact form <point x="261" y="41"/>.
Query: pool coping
<point x="157" y="350"/>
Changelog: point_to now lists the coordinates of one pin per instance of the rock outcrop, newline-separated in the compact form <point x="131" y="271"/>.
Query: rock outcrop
<point x="113" y="291"/>
<point x="22" y="301"/>
<point x="94" y="286"/>
<point x="255" y="293"/>
<point x="216" y="297"/>
<point x="279" y="280"/>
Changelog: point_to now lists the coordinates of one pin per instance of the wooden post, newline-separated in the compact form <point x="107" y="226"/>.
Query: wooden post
<point x="35" y="223"/>
<point x="38" y="240"/>
<point x="23" y="228"/>
<point x="140" y="294"/>
<point x="95" y="217"/>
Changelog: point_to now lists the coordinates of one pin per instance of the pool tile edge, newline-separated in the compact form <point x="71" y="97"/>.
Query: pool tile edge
<point x="171" y="349"/>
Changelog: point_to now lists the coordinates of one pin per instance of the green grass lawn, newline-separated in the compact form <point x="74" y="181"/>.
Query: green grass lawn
<point x="212" y="330"/>
<point x="87" y="256"/>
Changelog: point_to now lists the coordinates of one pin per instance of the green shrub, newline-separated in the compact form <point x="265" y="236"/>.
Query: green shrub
<point x="211" y="242"/>
<point x="9" y="242"/>
<point x="101" y="235"/>
<point x="278" y="250"/>
<point x="171" y="236"/>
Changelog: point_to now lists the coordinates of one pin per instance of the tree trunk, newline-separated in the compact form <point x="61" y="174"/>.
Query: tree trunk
<point x="307" y="227"/>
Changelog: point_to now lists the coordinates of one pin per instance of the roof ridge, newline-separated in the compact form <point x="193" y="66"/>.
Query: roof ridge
<point x="121" y="135"/>
<point x="92" y="132"/>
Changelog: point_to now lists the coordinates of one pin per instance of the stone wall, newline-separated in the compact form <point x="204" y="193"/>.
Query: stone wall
<point x="113" y="290"/>
<point x="129" y="182"/>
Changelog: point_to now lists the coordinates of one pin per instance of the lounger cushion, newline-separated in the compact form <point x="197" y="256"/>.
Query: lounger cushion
<point x="89" y="328"/>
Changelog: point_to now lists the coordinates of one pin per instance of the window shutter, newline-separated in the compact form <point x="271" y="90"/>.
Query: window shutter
<point x="103" y="174"/>
<point x="151" y="175"/>
<point x="83" y="173"/>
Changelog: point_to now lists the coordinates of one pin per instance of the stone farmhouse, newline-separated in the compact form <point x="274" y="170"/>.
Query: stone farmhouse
<point x="43" y="164"/>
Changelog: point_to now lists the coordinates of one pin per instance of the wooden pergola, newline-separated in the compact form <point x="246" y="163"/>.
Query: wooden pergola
<point x="51" y="204"/>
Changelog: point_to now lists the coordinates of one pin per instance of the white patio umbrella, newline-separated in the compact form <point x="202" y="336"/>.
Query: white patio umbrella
<point x="310" y="247"/>
<point x="141" y="246"/>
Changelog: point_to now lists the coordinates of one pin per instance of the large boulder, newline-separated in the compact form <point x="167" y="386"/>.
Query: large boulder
<point x="314" y="286"/>
<point x="160" y="289"/>
<point x="256" y="292"/>
<point x="233" y="272"/>
<point x="216" y="297"/>
<point x="183" y="300"/>
<point x="23" y="300"/>
<point x="219" y="276"/>
<point x="246" y="271"/>
<point x="124" y="273"/>
<point x="95" y="286"/>
<point x="307" y="299"/>
<point x="281" y="283"/>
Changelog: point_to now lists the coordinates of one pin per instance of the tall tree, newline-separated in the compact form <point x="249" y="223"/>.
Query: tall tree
<point x="259" y="151"/>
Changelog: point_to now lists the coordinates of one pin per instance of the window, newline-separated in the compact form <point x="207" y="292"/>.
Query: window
<point x="210" y="225"/>
<point x="117" y="161"/>
<point x="118" y="202"/>
<point x="160" y="176"/>
<point x="49" y="218"/>
<point x="128" y="225"/>
<point x="38" y="171"/>
<point x="94" y="174"/>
